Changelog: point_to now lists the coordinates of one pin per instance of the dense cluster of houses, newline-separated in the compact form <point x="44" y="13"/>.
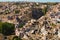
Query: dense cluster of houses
<point x="46" y="27"/>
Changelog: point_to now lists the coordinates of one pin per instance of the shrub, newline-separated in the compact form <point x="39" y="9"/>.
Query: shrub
<point x="16" y="38"/>
<point x="6" y="28"/>
<point x="17" y="11"/>
<point x="21" y="25"/>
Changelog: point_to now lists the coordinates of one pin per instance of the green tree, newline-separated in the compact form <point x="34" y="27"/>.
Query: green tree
<point x="17" y="11"/>
<point x="1" y="27"/>
<point x="45" y="10"/>
<point x="21" y="25"/>
<point x="7" y="11"/>
<point x="7" y="28"/>
<point x="16" y="38"/>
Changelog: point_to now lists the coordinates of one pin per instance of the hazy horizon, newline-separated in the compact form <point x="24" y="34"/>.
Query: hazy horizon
<point x="30" y="0"/>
